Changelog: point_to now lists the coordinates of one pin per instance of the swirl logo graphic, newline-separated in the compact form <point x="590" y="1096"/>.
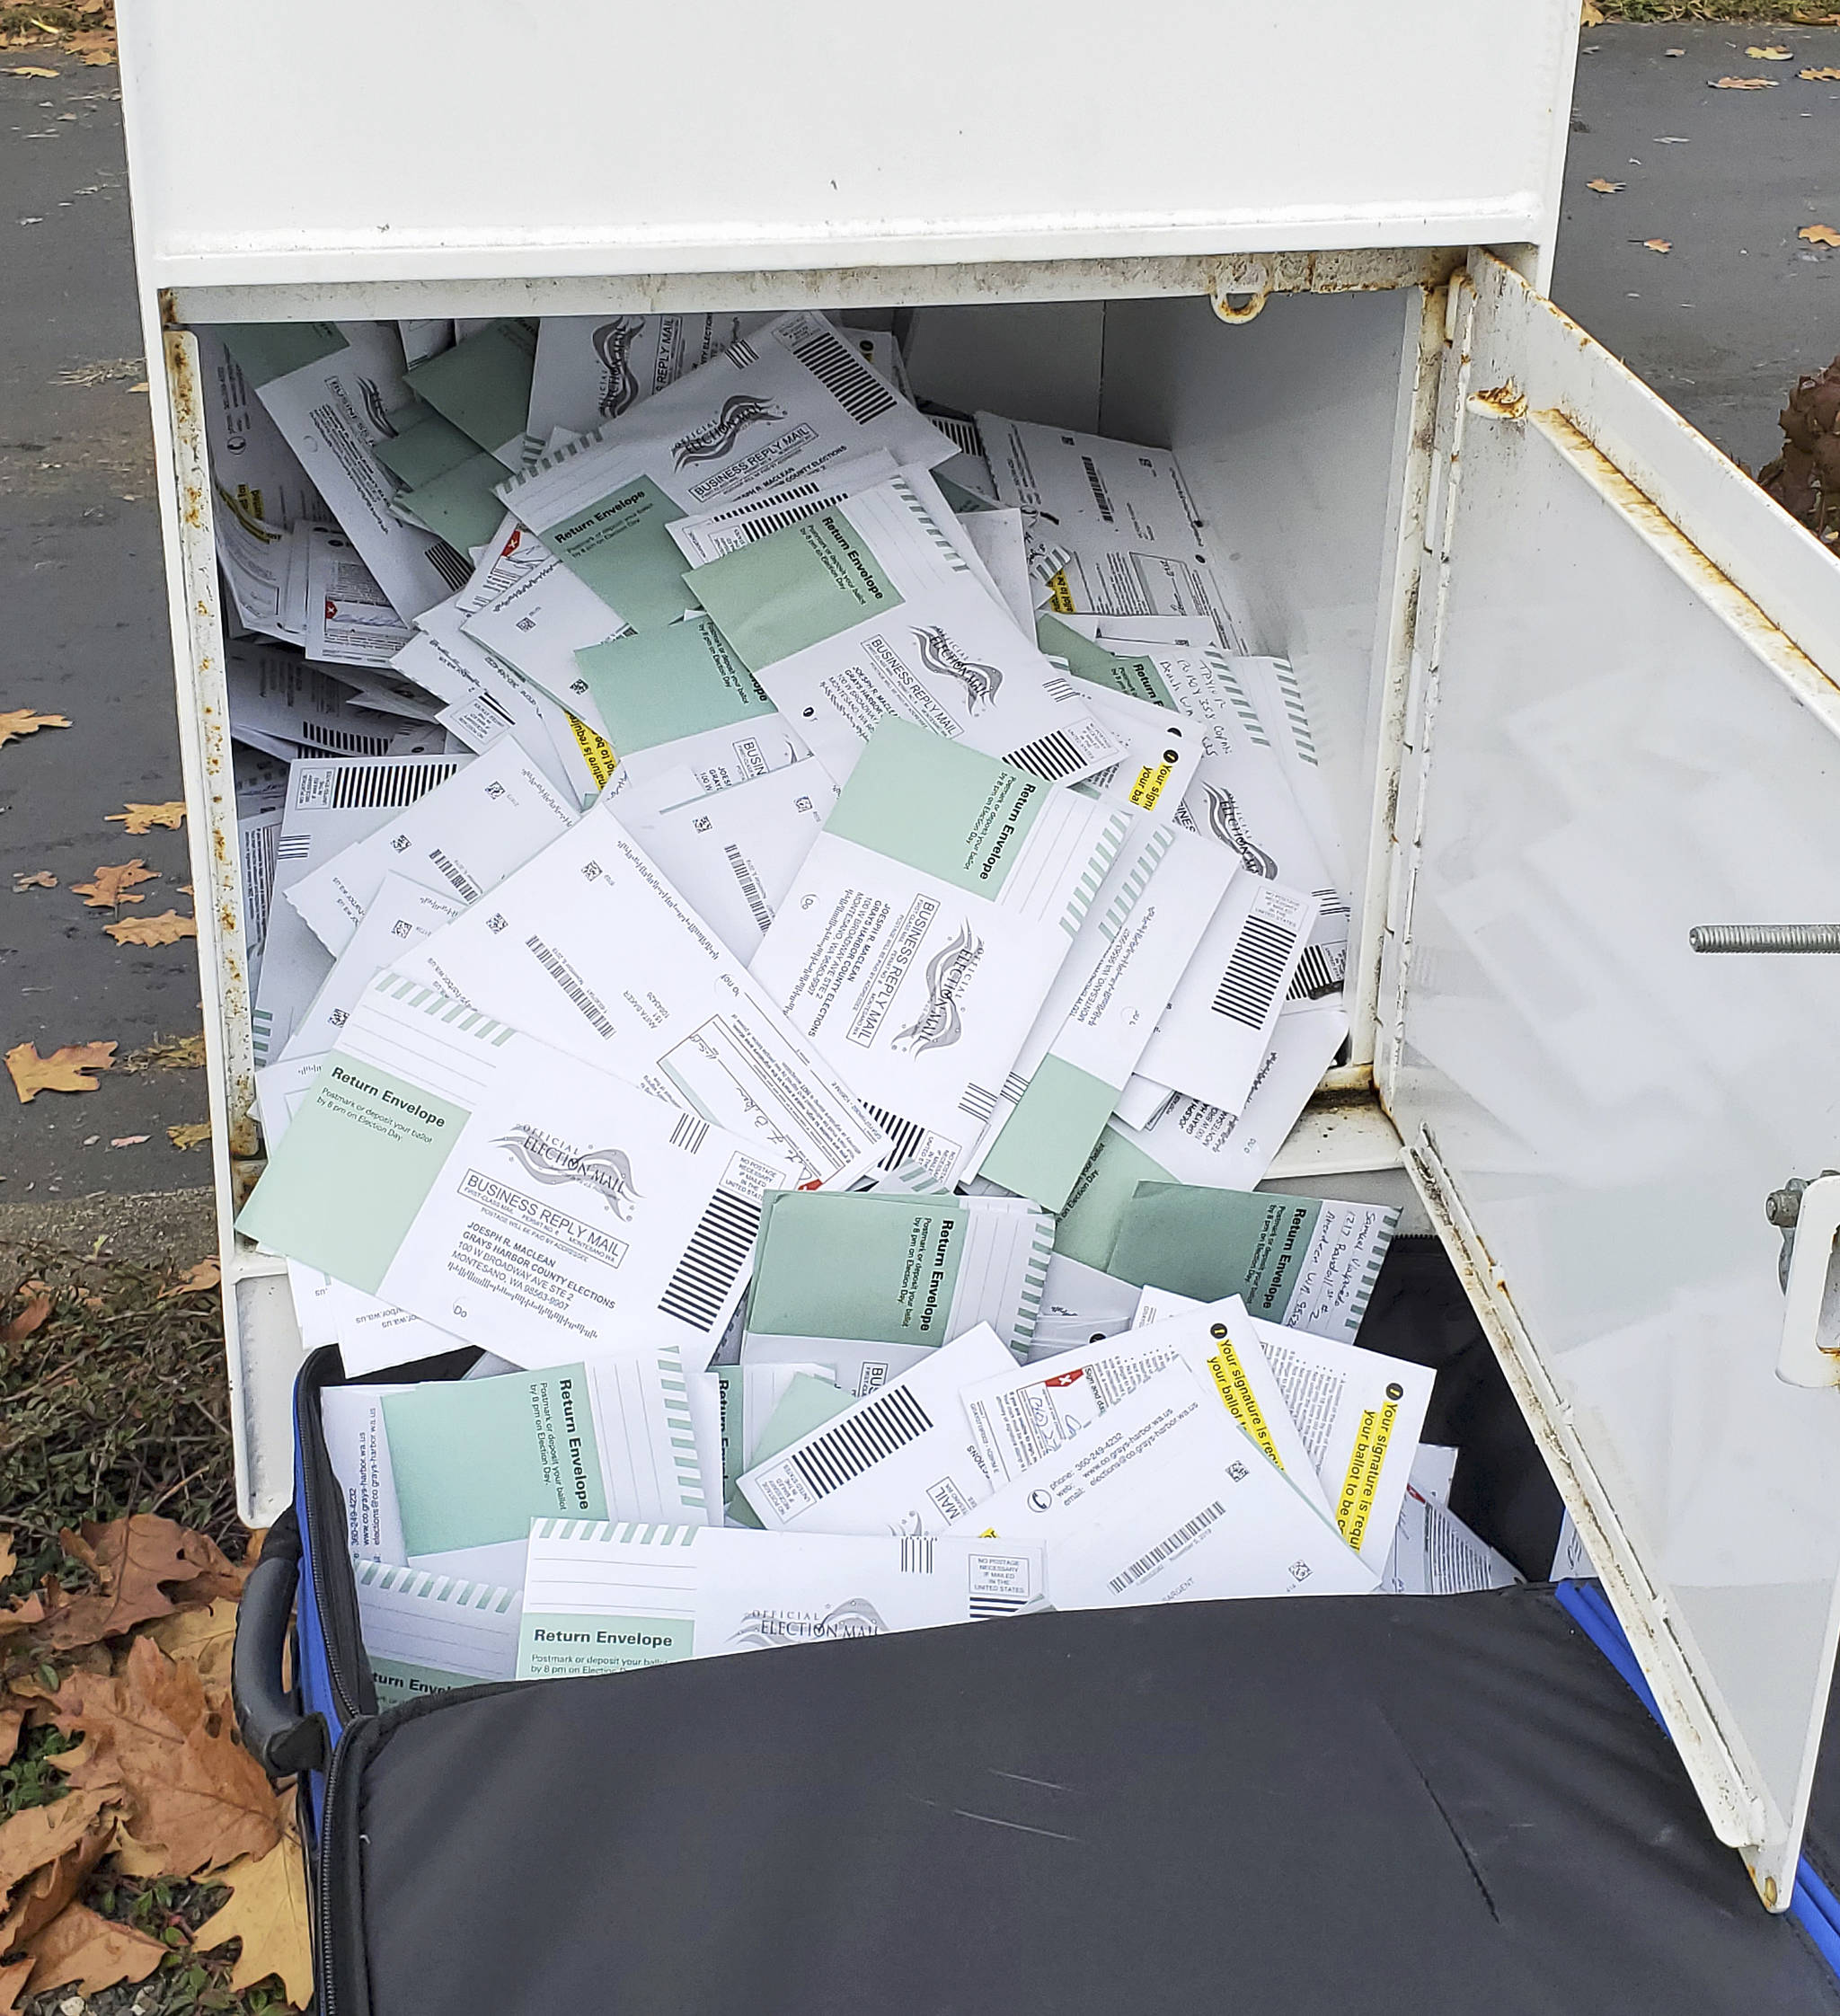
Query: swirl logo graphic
<point x="1223" y="821"/>
<point x="947" y="974"/>
<point x="605" y="1170"/>
<point x="740" y="411"/>
<point x="374" y="406"/>
<point x="857" y="1618"/>
<point x="613" y="341"/>
<point x="939" y="654"/>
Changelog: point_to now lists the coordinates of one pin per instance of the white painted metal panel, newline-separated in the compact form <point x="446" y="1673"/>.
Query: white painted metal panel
<point x="1617" y="744"/>
<point x="455" y="138"/>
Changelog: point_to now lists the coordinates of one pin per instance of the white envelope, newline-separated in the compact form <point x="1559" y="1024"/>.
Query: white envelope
<point x="426" y="1634"/>
<point x="401" y="915"/>
<point x="351" y="1421"/>
<point x="899" y="1462"/>
<point x="611" y="1599"/>
<point x="591" y="368"/>
<point x="466" y="836"/>
<point x="555" y="953"/>
<point x="465" y="1173"/>
<point x="1165" y="1500"/>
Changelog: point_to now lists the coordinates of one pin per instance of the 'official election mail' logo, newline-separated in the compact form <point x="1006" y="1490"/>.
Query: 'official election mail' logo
<point x="613" y="341"/>
<point x="545" y="1161"/>
<point x="939" y="654"/>
<point x="740" y="411"/>
<point x="374" y="406"/>
<point x="857" y="1618"/>
<point x="1223" y="821"/>
<point x="947" y="974"/>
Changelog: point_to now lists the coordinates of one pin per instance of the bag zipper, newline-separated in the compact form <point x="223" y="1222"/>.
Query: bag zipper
<point x="326" y="1542"/>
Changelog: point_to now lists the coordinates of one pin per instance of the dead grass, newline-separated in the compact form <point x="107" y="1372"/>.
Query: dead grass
<point x="1788" y="14"/>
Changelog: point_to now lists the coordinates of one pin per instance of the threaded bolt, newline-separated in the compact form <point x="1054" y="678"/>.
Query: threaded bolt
<point x="1765" y="938"/>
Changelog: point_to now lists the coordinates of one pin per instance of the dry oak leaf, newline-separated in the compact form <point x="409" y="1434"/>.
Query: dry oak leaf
<point x="50" y="1889"/>
<point x="14" y="1977"/>
<point x="1819" y="76"/>
<point x="63" y="1071"/>
<point x="205" y="1638"/>
<point x="12" y="1720"/>
<point x="29" y="70"/>
<point x="1603" y="187"/>
<point x="31" y="1318"/>
<point x="130" y="1558"/>
<point x="22" y="720"/>
<point x="41" y="1836"/>
<point x="25" y="1614"/>
<point x="90" y="1952"/>
<point x="9" y="1557"/>
<point x="1657" y="244"/>
<point x="1744" y="83"/>
<point x="1771" y="55"/>
<point x="190" y="1134"/>
<point x="268" y="1912"/>
<point x="1820" y="235"/>
<point x="135" y="1858"/>
<point x="43" y="879"/>
<point x="195" y="1791"/>
<point x="144" y="819"/>
<point x="1590" y="14"/>
<point x="167" y="929"/>
<point x="108" y="890"/>
<point x="207" y="1274"/>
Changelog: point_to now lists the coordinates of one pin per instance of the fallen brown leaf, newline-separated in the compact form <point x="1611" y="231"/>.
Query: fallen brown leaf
<point x="1771" y="55"/>
<point x="90" y="1952"/>
<point x="1819" y="76"/>
<point x="63" y="1071"/>
<point x="29" y="70"/>
<point x="1820" y="235"/>
<point x="23" y="1616"/>
<point x="95" y="46"/>
<point x="46" y="1892"/>
<point x="40" y="1835"/>
<point x="1744" y="83"/>
<point x="171" y="1053"/>
<point x="43" y="879"/>
<point x="144" y="819"/>
<point x="108" y="890"/>
<point x="204" y="1637"/>
<point x="135" y="1858"/>
<point x="1590" y="14"/>
<point x="22" y="720"/>
<point x="207" y="1274"/>
<point x="31" y="1318"/>
<point x="1603" y="187"/>
<point x="129" y="1141"/>
<point x="9" y="1559"/>
<point x="12" y="1720"/>
<point x="1657" y="244"/>
<point x="195" y="1791"/>
<point x="130" y="1558"/>
<point x="268" y="1912"/>
<point x="14" y="1974"/>
<point x="167" y="929"/>
<point x="190" y="1134"/>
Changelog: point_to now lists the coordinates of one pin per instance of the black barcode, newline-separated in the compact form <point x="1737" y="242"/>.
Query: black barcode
<point x="1014" y="1086"/>
<point x="1255" y="972"/>
<point x="455" y="568"/>
<point x="1097" y="482"/>
<point x="389" y="784"/>
<point x="960" y="432"/>
<point x="917" y="1554"/>
<point x="1058" y="688"/>
<point x="294" y="847"/>
<point x="1320" y="972"/>
<point x="743" y="352"/>
<point x="258" y="879"/>
<point x="750" y="888"/>
<point x="997" y="1606"/>
<point x="862" y="1437"/>
<point x="1051" y="755"/>
<point x="850" y="382"/>
<point x="690" y="1133"/>
<point x="455" y="874"/>
<point x="905" y="1137"/>
<point x="976" y="1105"/>
<point x="712" y="1261"/>
<point x="340" y="741"/>
<point x="1179" y="1539"/>
<point x="564" y="975"/>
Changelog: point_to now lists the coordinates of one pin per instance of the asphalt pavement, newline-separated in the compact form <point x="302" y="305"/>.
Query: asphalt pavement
<point x="1722" y="324"/>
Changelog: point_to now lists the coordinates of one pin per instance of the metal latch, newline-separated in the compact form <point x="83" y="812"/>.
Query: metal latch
<point x="1808" y="1215"/>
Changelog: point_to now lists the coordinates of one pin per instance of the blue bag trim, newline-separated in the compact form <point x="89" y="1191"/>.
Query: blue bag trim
<point x="1812" y="1905"/>
<point x="317" y="1693"/>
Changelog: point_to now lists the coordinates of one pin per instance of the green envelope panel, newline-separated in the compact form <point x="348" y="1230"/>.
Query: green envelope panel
<point x="1042" y="1149"/>
<point x="659" y="685"/>
<point x="793" y="589"/>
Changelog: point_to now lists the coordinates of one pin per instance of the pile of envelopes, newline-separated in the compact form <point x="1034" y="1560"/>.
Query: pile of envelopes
<point x="792" y="920"/>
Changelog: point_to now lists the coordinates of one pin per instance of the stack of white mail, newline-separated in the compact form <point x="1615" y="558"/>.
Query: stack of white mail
<point x="774" y="902"/>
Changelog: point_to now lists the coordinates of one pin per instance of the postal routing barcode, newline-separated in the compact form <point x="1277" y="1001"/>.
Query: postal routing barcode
<point x="462" y="882"/>
<point x="976" y="1105"/>
<point x="718" y="1252"/>
<point x="565" y="977"/>
<point x="1097" y="485"/>
<point x="1254" y="972"/>
<point x="960" y="432"/>
<point x="340" y="741"/>
<point x="850" y="382"/>
<point x="905" y="1137"/>
<point x="386" y="784"/>
<point x="1179" y="1539"/>
<point x="1051" y="755"/>
<point x="889" y="1421"/>
<point x="750" y="888"/>
<point x="1320" y="972"/>
<point x="917" y="1553"/>
<point x="259" y="880"/>
<point x="454" y="568"/>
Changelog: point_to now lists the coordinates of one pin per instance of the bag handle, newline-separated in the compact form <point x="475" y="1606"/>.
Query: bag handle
<point x="275" y="1732"/>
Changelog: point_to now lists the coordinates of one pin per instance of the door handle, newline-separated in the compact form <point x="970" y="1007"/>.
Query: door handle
<point x="1811" y="1350"/>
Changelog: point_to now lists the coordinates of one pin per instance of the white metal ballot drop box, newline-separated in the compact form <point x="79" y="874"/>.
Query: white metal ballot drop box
<point x="1574" y="680"/>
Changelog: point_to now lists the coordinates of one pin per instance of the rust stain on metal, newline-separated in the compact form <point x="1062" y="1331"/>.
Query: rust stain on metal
<point x="1504" y="402"/>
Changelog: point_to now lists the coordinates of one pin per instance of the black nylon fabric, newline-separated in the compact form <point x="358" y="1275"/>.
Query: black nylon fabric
<point x="1434" y="1808"/>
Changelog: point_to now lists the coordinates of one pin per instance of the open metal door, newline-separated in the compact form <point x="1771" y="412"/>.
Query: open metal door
<point x="1625" y="723"/>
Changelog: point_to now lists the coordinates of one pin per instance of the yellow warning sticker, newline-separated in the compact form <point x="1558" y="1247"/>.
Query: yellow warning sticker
<point x="1236" y="1390"/>
<point x="1355" y="1501"/>
<point x="1148" y="787"/>
<point x="596" y="749"/>
<point x="1060" y="596"/>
